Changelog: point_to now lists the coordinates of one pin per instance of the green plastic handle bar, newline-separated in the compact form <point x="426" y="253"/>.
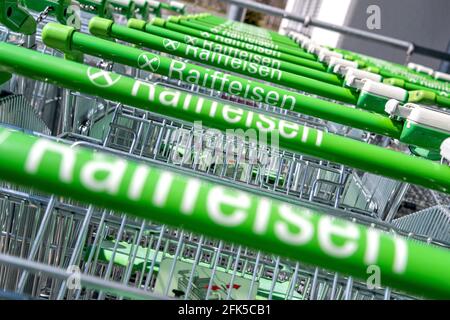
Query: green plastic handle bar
<point x="232" y="31"/>
<point x="67" y="40"/>
<point x="106" y="28"/>
<point x="281" y="48"/>
<point x="274" y="36"/>
<point x="206" y="36"/>
<point x="213" y="114"/>
<point x="247" y="31"/>
<point x="307" y="68"/>
<point x="16" y="18"/>
<point x="58" y="8"/>
<point x="237" y="44"/>
<point x="420" y="94"/>
<point x="220" y="212"/>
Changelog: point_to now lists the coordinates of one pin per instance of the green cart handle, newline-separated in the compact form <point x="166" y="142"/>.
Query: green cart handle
<point x="105" y="28"/>
<point x="274" y="36"/>
<point x="15" y="18"/>
<point x="305" y="67"/>
<point x="229" y="27"/>
<point x="213" y="114"/>
<point x="59" y="8"/>
<point x="67" y="40"/>
<point x="209" y="37"/>
<point x="275" y="47"/>
<point x="261" y="223"/>
<point x="421" y="94"/>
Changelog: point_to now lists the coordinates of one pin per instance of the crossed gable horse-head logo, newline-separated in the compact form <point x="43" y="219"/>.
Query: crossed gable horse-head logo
<point x="190" y="40"/>
<point x="171" y="45"/>
<point x="102" y="78"/>
<point x="149" y="62"/>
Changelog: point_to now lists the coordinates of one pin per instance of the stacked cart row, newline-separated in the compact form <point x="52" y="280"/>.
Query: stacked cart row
<point x="146" y="153"/>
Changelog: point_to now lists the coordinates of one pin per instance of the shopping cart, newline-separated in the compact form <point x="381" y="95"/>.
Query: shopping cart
<point x="116" y="256"/>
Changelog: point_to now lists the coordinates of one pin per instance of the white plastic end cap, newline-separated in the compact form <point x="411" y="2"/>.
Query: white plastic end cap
<point x="441" y="76"/>
<point x="391" y="106"/>
<point x="361" y="74"/>
<point x="385" y="90"/>
<point x="445" y="149"/>
<point x="334" y="61"/>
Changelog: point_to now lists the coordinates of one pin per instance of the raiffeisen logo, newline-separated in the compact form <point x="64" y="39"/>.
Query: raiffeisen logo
<point x="149" y="62"/>
<point x="102" y="78"/>
<point x="233" y="63"/>
<point x="171" y="45"/>
<point x="246" y="46"/>
<point x="223" y="115"/>
<point x="240" y="54"/>
<point x="205" y="34"/>
<point x="232" y="85"/>
<point x="190" y="40"/>
<point x="191" y="201"/>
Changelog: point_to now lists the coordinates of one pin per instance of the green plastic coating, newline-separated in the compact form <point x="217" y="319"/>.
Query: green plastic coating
<point x="66" y="39"/>
<point x="308" y="68"/>
<point x="213" y="210"/>
<point x="285" y="49"/>
<point x="251" y="30"/>
<point x="234" y="31"/>
<point x="234" y="43"/>
<point x="213" y="114"/>
<point x="224" y="62"/>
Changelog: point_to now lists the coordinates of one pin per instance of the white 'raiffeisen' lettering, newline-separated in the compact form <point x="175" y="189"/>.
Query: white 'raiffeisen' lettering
<point x="233" y="63"/>
<point x="235" y="86"/>
<point x="224" y="207"/>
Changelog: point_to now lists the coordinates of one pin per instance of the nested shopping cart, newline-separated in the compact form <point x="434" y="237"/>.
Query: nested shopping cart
<point x="56" y="248"/>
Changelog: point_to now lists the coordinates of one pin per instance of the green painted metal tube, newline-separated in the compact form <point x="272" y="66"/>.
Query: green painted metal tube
<point x="239" y="217"/>
<point x="308" y="68"/>
<point x="243" y="35"/>
<point x="66" y="39"/>
<point x="102" y="27"/>
<point x="285" y="49"/>
<point x="274" y="36"/>
<point x="251" y="31"/>
<point x="212" y="114"/>
<point x="238" y="44"/>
